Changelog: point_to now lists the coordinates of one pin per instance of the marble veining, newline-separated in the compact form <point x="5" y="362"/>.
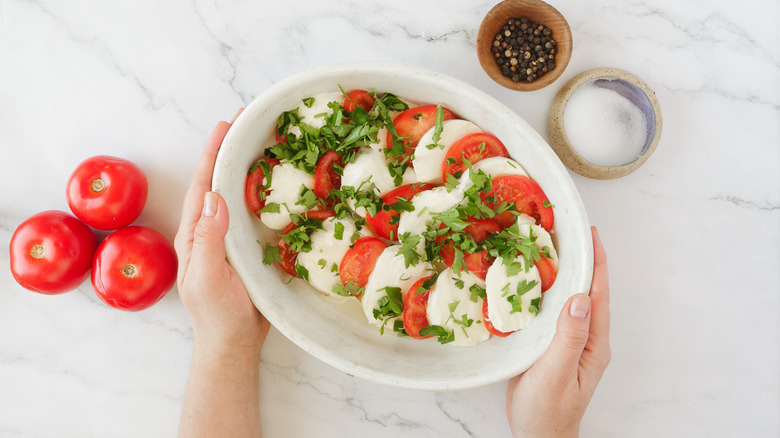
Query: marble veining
<point x="692" y="236"/>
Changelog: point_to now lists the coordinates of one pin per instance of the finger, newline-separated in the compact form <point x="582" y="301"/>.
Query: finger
<point x="238" y="113"/>
<point x="571" y="335"/>
<point x="208" y="244"/>
<point x="201" y="179"/>
<point x="599" y="292"/>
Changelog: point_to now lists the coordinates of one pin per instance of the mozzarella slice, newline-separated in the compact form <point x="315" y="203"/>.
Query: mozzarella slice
<point x="428" y="162"/>
<point x="286" y="184"/>
<point x="453" y="290"/>
<point x="500" y="287"/>
<point x="315" y="115"/>
<point x="427" y="204"/>
<point x="527" y="225"/>
<point x="370" y="166"/>
<point x="389" y="271"/>
<point x="327" y="250"/>
<point x="497" y="166"/>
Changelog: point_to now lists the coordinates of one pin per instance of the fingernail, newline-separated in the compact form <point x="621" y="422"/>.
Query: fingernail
<point x="579" y="306"/>
<point x="210" y="204"/>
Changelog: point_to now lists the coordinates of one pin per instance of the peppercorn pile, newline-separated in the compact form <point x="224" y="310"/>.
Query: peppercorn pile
<point x="524" y="49"/>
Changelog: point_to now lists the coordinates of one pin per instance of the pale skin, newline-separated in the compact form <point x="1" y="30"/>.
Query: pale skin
<point x="222" y="394"/>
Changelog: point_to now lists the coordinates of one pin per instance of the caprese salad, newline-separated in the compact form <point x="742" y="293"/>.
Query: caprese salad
<point x="421" y="217"/>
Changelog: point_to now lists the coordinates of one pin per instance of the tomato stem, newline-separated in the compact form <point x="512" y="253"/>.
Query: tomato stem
<point x="37" y="251"/>
<point x="129" y="270"/>
<point x="97" y="185"/>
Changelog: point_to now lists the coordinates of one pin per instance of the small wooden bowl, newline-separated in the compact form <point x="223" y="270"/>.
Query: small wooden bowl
<point x="535" y="10"/>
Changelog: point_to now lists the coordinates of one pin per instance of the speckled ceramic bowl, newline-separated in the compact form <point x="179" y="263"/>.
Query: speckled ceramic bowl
<point x="627" y="85"/>
<point x="337" y="333"/>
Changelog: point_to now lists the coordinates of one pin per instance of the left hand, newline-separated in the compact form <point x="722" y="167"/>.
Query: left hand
<point x="223" y="317"/>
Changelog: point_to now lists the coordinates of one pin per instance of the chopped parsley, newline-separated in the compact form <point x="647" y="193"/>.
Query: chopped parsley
<point x="444" y="336"/>
<point x="338" y="230"/>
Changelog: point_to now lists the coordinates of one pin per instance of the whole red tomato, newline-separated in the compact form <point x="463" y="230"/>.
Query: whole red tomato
<point x="107" y="193"/>
<point x="134" y="268"/>
<point x="51" y="252"/>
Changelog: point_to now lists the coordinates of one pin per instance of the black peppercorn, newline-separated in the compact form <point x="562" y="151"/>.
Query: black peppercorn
<point x="524" y="50"/>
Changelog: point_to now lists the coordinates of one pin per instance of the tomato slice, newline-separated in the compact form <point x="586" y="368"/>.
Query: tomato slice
<point x="359" y="261"/>
<point x="527" y="196"/>
<point x="478" y="262"/>
<point x="358" y="97"/>
<point x="325" y="176"/>
<point x="280" y="138"/>
<point x="412" y="124"/>
<point x="473" y="147"/>
<point x="287" y="255"/>
<point x="382" y="223"/>
<point x="255" y="191"/>
<point x="415" y="317"/>
<point x="489" y="325"/>
<point x="546" y="271"/>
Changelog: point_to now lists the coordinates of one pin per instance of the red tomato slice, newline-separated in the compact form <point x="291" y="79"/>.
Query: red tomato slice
<point x="478" y="262"/>
<point x="359" y="261"/>
<point x="287" y="255"/>
<point x="414" y="123"/>
<point x="325" y="176"/>
<point x="280" y="138"/>
<point x="415" y="317"/>
<point x="382" y="222"/>
<point x="527" y="196"/>
<point x="546" y="271"/>
<point x="254" y="185"/>
<point x="473" y="147"/>
<point x="358" y="97"/>
<point x="489" y="325"/>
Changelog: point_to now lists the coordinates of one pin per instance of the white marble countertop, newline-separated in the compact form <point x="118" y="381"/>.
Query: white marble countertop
<point x="693" y="236"/>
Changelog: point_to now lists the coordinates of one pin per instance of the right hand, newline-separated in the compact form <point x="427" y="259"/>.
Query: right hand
<point x="550" y="398"/>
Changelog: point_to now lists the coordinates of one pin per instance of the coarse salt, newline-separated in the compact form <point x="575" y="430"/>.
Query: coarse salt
<point x="604" y="127"/>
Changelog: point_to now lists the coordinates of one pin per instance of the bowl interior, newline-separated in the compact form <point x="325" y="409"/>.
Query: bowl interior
<point x="535" y="10"/>
<point x="337" y="333"/>
<point x="625" y="84"/>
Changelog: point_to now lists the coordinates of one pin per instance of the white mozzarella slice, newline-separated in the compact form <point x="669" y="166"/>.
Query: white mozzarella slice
<point x="315" y="115"/>
<point x="369" y="164"/>
<point x="286" y="184"/>
<point x="527" y="225"/>
<point x="426" y="205"/>
<point x="453" y="290"/>
<point x="428" y="162"/>
<point x="381" y="140"/>
<point x="389" y="271"/>
<point x="500" y="287"/>
<point x="497" y="166"/>
<point x="327" y="249"/>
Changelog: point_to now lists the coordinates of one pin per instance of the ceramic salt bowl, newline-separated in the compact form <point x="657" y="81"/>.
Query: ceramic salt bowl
<point x="625" y="84"/>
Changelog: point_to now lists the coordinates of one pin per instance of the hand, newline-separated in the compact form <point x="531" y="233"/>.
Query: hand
<point x="550" y="398"/>
<point x="223" y="316"/>
<point x="222" y="396"/>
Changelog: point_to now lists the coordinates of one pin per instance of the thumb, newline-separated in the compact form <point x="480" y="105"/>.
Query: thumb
<point x="570" y="337"/>
<point x="208" y="243"/>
